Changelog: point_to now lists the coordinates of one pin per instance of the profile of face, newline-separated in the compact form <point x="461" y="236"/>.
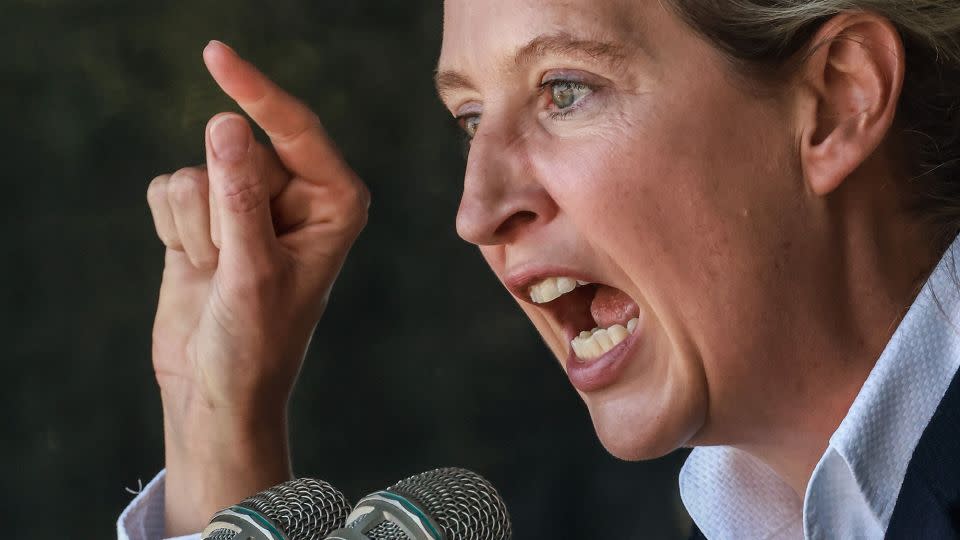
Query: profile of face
<point x="620" y="176"/>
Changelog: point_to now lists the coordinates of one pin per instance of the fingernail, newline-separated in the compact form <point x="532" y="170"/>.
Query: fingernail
<point x="217" y="42"/>
<point x="230" y="138"/>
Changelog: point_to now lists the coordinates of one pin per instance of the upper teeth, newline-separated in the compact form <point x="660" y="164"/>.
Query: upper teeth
<point x="597" y="342"/>
<point x="552" y="288"/>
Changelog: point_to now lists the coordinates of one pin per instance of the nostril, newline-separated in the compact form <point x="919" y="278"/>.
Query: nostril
<point x="515" y="221"/>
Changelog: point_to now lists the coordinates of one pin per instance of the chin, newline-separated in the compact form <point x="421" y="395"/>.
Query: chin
<point x="638" y="432"/>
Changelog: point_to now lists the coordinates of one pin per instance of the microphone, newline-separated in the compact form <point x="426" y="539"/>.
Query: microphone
<point x="301" y="509"/>
<point x="443" y="504"/>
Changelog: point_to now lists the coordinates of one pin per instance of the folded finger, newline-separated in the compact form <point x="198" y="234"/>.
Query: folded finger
<point x="162" y="213"/>
<point x="188" y="195"/>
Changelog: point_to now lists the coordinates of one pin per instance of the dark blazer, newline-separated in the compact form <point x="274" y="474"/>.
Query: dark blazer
<point x="928" y="507"/>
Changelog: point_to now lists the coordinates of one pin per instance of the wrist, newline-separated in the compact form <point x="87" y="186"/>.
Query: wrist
<point x="216" y="458"/>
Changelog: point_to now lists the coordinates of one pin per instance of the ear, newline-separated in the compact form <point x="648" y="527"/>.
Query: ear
<point x="853" y="77"/>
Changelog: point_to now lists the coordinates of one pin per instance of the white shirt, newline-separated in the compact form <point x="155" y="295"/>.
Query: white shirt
<point x="143" y="518"/>
<point x="854" y="487"/>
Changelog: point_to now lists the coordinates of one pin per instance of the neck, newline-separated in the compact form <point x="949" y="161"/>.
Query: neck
<point x="877" y="259"/>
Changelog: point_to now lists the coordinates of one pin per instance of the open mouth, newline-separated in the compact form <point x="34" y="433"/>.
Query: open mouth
<point x="596" y="318"/>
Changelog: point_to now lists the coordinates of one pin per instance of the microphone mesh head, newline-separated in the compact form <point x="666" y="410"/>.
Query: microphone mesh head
<point x="386" y="531"/>
<point x="304" y="509"/>
<point x="461" y="502"/>
<point x="221" y="534"/>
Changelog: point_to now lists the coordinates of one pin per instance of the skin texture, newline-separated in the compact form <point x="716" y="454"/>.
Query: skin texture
<point x="761" y="234"/>
<point x="255" y="240"/>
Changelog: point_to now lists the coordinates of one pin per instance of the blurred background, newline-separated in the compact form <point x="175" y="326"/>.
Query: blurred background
<point x="98" y="98"/>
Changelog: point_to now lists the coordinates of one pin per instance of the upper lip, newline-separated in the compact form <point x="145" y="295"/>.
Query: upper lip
<point x="518" y="282"/>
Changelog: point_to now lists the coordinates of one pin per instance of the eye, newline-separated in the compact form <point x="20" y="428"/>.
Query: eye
<point x="470" y="123"/>
<point x="566" y="94"/>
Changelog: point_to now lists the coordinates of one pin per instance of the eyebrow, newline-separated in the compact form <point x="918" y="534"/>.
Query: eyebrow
<point x="562" y="44"/>
<point x="448" y="81"/>
<point x="567" y="45"/>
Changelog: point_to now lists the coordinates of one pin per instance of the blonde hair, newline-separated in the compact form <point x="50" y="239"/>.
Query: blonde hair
<point x="763" y="36"/>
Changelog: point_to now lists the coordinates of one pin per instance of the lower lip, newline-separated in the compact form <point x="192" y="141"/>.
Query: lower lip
<point x="599" y="373"/>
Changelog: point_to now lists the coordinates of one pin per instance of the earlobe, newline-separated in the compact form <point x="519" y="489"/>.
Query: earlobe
<point x="852" y="83"/>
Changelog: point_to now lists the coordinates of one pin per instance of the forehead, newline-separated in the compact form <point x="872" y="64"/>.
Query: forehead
<point x="475" y="32"/>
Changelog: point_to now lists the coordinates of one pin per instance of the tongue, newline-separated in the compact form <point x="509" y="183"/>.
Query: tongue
<point x="612" y="306"/>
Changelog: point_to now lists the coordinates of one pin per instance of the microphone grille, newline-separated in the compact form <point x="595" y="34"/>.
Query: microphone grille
<point x="386" y="531"/>
<point x="304" y="509"/>
<point x="221" y="534"/>
<point x="463" y="503"/>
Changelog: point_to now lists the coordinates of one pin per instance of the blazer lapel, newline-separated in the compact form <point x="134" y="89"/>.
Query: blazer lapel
<point x="929" y="502"/>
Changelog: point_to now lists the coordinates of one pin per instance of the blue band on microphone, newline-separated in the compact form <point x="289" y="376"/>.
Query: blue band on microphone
<point x="263" y="522"/>
<point x="413" y="509"/>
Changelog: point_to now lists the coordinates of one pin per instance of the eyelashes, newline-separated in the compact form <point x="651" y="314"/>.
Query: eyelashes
<point x="469" y="123"/>
<point x="565" y="97"/>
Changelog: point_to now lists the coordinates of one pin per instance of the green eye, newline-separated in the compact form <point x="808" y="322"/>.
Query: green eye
<point x="566" y="94"/>
<point x="470" y="124"/>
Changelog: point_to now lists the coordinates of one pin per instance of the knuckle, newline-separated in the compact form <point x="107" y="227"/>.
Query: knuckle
<point x="244" y="193"/>
<point x="361" y="196"/>
<point x="184" y="187"/>
<point x="157" y="190"/>
<point x="188" y="174"/>
<point x="357" y="203"/>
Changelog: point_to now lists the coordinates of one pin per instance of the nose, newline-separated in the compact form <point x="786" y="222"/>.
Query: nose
<point x="502" y="197"/>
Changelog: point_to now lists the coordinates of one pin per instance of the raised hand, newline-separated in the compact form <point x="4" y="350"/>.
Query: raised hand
<point x="255" y="240"/>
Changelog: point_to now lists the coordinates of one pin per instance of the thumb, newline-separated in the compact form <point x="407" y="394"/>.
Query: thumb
<point x="240" y="194"/>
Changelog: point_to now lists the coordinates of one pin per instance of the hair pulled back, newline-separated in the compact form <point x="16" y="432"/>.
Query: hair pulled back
<point x="761" y="36"/>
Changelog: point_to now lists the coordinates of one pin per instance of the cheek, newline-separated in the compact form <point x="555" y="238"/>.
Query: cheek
<point x="680" y="203"/>
<point x="678" y="198"/>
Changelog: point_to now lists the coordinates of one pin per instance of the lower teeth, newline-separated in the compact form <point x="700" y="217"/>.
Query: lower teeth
<point x="599" y="341"/>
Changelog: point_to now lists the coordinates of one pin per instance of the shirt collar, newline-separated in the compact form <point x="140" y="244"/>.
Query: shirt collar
<point x="855" y="485"/>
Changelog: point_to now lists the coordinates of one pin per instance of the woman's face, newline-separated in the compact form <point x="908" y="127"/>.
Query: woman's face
<point x="613" y="146"/>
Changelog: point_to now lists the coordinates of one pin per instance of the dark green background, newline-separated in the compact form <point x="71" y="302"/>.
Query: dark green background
<point x="421" y="360"/>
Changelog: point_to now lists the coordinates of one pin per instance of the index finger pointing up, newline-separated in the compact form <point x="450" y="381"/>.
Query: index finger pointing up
<point x="295" y="131"/>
